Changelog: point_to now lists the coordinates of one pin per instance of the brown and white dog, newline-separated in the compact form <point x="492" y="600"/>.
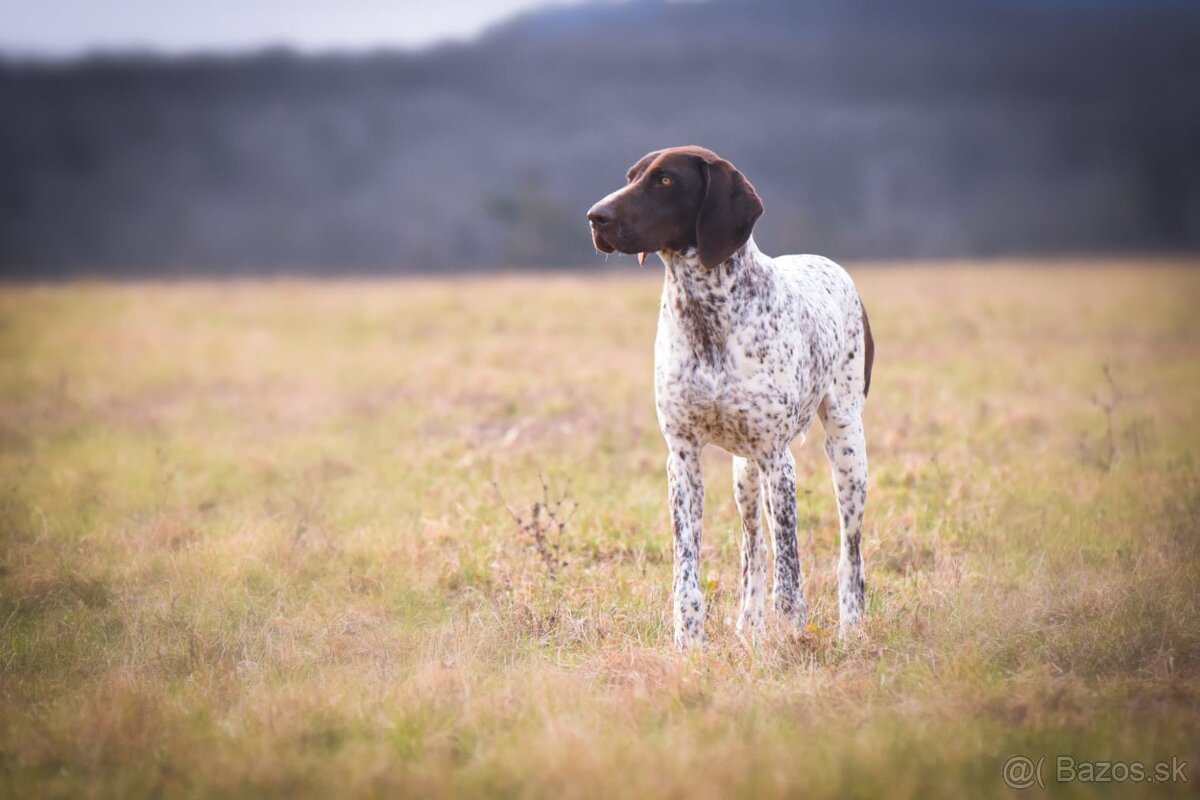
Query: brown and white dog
<point x="749" y="350"/>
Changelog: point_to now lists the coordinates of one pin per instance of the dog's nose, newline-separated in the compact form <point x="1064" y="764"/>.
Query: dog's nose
<point x="600" y="215"/>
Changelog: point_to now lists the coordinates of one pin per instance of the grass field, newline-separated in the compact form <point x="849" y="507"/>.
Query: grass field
<point x="250" y="544"/>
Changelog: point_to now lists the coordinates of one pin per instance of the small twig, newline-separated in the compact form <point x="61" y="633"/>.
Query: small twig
<point x="544" y="525"/>
<point x="1110" y="404"/>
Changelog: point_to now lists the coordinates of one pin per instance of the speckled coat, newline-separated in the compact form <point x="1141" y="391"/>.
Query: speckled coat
<point x="746" y="355"/>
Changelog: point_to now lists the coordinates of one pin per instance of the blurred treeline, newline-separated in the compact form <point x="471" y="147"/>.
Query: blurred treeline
<point x="871" y="128"/>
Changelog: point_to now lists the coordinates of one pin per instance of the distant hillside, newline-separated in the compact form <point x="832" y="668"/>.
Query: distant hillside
<point x="871" y="128"/>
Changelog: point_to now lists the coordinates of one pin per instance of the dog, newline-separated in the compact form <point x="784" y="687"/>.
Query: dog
<point x="749" y="349"/>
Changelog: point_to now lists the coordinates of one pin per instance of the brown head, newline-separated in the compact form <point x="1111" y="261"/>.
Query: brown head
<point x="676" y="199"/>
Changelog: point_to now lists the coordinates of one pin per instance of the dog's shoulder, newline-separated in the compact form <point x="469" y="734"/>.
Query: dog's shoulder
<point x="817" y="281"/>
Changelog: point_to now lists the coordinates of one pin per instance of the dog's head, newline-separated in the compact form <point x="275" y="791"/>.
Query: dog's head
<point x="676" y="199"/>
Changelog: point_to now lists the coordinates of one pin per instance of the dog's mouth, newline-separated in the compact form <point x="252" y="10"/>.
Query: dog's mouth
<point x="605" y="246"/>
<point x="601" y="244"/>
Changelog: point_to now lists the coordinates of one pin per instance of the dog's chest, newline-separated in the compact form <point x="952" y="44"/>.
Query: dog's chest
<point x="741" y="367"/>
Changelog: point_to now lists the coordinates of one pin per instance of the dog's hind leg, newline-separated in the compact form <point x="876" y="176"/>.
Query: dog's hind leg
<point x="747" y="493"/>
<point x="779" y="471"/>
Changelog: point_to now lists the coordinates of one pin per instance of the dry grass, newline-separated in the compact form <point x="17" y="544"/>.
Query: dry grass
<point x="250" y="544"/>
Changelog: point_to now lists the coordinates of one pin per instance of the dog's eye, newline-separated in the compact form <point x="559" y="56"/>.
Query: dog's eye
<point x="665" y="180"/>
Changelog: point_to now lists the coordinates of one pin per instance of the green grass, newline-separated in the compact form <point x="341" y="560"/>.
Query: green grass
<point x="249" y="544"/>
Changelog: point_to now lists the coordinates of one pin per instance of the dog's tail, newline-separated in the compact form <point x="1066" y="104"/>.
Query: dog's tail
<point x="868" y="348"/>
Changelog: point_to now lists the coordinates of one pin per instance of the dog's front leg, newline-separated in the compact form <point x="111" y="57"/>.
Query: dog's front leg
<point x="846" y="447"/>
<point x="685" y="491"/>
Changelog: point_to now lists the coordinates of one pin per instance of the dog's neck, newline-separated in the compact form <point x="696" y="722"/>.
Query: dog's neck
<point x="702" y="300"/>
<point x="685" y="269"/>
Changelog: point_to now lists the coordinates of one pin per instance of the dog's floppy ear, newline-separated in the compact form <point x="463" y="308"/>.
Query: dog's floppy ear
<point x="727" y="213"/>
<point x="637" y="169"/>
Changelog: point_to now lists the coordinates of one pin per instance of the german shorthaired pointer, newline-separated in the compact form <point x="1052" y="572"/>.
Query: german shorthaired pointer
<point x="749" y="349"/>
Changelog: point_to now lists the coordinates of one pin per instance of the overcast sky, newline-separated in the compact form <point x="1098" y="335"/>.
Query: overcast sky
<point x="71" y="27"/>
